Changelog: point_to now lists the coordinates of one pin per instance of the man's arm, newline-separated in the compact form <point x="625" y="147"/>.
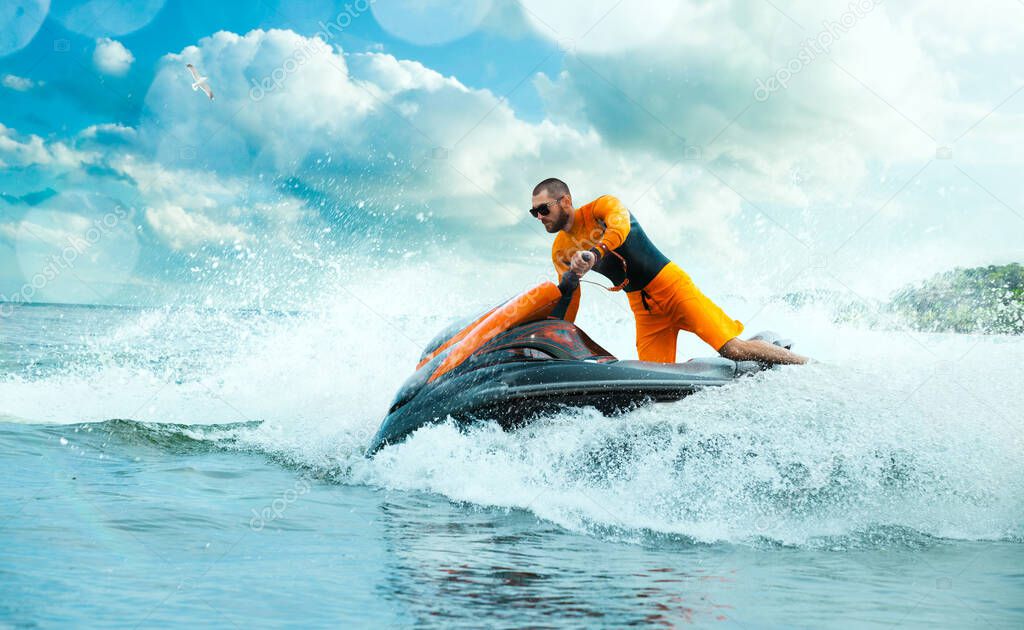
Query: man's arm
<point x="574" y="306"/>
<point x="610" y="211"/>
<point x="561" y="268"/>
<point x="615" y="218"/>
<point x="758" y="350"/>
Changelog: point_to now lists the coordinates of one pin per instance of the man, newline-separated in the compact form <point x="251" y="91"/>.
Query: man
<point x="604" y="236"/>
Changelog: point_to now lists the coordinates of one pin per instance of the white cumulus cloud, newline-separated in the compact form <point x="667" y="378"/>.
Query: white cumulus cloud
<point x="111" y="57"/>
<point x="183" y="229"/>
<point x="386" y="139"/>
<point x="18" y="84"/>
<point x="304" y="135"/>
<point x="18" y="150"/>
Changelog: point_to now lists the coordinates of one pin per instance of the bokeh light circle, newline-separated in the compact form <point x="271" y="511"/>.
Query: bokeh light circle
<point x="102" y="18"/>
<point x="429" y="22"/>
<point x="19" y="22"/>
<point x="81" y="249"/>
<point x="603" y="26"/>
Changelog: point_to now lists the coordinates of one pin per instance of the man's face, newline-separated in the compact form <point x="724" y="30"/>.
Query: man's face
<point x="557" y="217"/>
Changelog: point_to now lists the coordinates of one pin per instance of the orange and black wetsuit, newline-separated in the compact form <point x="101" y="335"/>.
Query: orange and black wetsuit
<point x="662" y="296"/>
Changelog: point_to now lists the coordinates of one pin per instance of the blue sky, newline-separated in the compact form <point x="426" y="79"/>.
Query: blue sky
<point x="509" y="57"/>
<point x="884" y="149"/>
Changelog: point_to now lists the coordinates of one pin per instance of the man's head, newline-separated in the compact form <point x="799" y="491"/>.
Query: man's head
<point x="552" y="204"/>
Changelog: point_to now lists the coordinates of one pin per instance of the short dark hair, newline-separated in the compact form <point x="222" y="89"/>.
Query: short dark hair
<point x="555" y="187"/>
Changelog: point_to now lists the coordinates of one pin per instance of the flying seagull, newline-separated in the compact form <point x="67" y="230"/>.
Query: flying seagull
<point x="200" y="83"/>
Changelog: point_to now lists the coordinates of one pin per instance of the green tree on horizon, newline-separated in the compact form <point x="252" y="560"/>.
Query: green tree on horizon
<point x="981" y="299"/>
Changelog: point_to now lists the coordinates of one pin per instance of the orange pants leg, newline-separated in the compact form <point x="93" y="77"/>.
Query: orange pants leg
<point x="656" y="336"/>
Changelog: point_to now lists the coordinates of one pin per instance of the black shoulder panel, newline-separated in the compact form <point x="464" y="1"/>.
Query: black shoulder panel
<point x="643" y="259"/>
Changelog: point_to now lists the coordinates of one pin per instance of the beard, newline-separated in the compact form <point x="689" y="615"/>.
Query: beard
<point x="557" y="224"/>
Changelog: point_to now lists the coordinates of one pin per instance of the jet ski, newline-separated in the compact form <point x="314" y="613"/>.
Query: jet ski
<point x="521" y="360"/>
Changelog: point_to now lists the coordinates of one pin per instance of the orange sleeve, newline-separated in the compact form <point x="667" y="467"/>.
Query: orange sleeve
<point x="559" y="258"/>
<point x="615" y="218"/>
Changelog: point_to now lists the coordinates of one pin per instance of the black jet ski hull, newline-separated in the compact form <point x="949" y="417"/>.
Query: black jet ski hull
<point x="521" y="359"/>
<point x="514" y="394"/>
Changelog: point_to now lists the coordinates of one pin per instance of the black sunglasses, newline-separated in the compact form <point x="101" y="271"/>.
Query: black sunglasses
<point x="543" y="209"/>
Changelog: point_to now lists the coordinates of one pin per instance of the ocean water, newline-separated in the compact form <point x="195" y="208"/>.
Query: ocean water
<point x="205" y="467"/>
